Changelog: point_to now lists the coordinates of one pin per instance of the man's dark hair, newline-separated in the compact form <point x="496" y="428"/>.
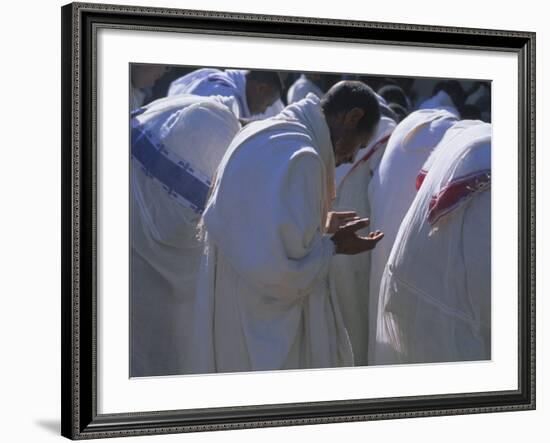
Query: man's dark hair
<point x="273" y="78"/>
<point x="349" y="94"/>
<point x="399" y="111"/>
<point x="454" y="89"/>
<point x="394" y="94"/>
<point x="470" y="112"/>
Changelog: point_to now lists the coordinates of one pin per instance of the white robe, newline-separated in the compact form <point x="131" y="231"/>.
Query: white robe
<point x="177" y="143"/>
<point x="301" y="88"/>
<point x="350" y="273"/>
<point x="208" y="82"/>
<point x="435" y="301"/>
<point x="264" y="300"/>
<point x="441" y="100"/>
<point x="393" y="188"/>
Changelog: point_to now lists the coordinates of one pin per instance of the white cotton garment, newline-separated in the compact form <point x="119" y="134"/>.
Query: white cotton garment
<point x="208" y="82"/>
<point x="442" y="101"/>
<point x="350" y="273"/>
<point x="301" y="88"/>
<point x="393" y="187"/>
<point x="435" y="303"/>
<point x="177" y="143"/>
<point x="264" y="300"/>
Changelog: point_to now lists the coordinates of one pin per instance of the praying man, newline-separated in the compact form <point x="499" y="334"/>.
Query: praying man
<point x="177" y="144"/>
<point x="254" y="91"/>
<point x="435" y="294"/>
<point x="264" y="298"/>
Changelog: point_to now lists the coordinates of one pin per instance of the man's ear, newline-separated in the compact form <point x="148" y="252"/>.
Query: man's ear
<point x="353" y="116"/>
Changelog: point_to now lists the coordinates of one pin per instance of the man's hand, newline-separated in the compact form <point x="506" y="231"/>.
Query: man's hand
<point x="336" y="220"/>
<point x="348" y="242"/>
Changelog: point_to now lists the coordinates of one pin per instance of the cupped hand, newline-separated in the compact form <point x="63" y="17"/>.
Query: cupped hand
<point x="348" y="242"/>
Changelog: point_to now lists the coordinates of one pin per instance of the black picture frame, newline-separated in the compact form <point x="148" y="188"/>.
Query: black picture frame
<point x="79" y="213"/>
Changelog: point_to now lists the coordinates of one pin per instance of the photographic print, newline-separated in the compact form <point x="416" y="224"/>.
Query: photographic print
<point x="299" y="220"/>
<point x="275" y="221"/>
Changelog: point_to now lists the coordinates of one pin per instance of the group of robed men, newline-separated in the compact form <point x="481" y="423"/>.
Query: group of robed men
<point x="251" y="244"/>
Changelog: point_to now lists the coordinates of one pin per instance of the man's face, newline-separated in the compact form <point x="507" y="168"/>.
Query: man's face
<point x="260" y="96"/>
<point x="346" y="139"/>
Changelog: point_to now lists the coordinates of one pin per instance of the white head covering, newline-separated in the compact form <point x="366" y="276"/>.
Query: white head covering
<point x="177" y="143"/>
<point x="209" y="82"/>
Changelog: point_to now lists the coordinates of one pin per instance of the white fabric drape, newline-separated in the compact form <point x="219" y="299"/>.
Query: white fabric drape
<point x="208" y="82"/>
<point x="393" y="187"/>
<point x="183" y="130"/>
<point x="264" y="299"/>
<point x="436" y="289"/>
<point x="350" y="273"/>
<point x="442" y="101"/>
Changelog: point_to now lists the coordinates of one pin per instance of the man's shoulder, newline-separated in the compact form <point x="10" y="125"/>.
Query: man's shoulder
<point x="305" y="153"/>
<point x="307" y="159"/>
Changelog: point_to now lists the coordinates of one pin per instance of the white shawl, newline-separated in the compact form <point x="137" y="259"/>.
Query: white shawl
<point x="435" y="295"/>
<point x="177" y="143"/>
<point x="350" y="273"/>
<point x="441" y="100"/>
<point x="208" y="82"/>
<point x="263" y="299"/>
<point x="393" y="186"/>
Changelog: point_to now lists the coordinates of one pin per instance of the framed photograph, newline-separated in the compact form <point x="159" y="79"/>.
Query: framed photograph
<point x="273" y="221"/>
